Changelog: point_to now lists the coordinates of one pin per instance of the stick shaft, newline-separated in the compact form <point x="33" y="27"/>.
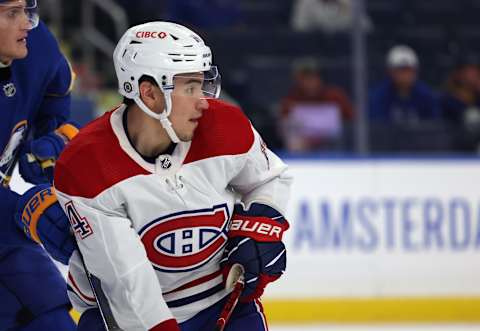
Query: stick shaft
<point x="233" y="298"/>
<point x="105" y="311"/>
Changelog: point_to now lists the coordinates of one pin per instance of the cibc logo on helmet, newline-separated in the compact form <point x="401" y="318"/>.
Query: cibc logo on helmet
<point x="151" y="34"/>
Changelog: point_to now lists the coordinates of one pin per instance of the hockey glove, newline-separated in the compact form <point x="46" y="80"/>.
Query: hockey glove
<point x="40" y="216"/>
<point x="255" y="241"/>
<point x="38" y="157"/>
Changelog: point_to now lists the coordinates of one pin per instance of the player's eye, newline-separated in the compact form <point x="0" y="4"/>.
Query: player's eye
<point x="15" y="12"/>
<point x="190" y="90"/>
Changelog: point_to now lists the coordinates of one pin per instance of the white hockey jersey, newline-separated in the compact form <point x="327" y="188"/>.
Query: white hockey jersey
<point x="154" y="233"/>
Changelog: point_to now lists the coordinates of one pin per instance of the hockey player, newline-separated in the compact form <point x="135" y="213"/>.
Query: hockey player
<point x="150" y="189"/>
<point x="35" y="81"/>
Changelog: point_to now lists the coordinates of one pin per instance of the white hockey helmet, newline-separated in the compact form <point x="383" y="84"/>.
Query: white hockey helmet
<point x="162" y="50"/>
<point x="402" y="56"/>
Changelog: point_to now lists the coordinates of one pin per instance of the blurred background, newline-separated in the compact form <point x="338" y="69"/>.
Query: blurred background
<point x="336" y="76"/>
<point x="375" y="104"/>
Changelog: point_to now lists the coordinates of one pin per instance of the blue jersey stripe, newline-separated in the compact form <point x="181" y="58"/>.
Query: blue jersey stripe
<point x="195" y="297"/>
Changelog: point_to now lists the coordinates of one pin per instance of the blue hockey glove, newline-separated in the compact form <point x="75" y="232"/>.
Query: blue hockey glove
<point x="40" y="216"/>
<point x="38" y="158"/>
<point x="255" y="241"/>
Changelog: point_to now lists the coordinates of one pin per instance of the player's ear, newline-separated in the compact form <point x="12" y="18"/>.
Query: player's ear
<point x="150" y="94"/>
<point x="146" y="92"/>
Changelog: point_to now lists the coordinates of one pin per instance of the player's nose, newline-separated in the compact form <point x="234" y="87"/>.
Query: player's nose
<point x="26" y="24"/>
<point x="202" y="104"/>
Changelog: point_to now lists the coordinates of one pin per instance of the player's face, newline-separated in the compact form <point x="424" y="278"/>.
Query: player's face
<point x="469" y="76"/>
<point x="309" y="82"/>
<point x="14" y="27"/>
<point x="404" y="77"/>
<point x="188" y="104"/>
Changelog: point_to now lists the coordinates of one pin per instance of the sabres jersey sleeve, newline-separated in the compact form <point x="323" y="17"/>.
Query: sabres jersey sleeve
<point x="9" y="235"/>
<point x="58" y="80"/>
<point x="110" y="246"/>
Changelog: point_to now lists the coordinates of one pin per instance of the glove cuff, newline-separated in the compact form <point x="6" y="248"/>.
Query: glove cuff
<point x="263" y="281"/>
<point x="67" y="130"/>
<point x="34" y="208"/>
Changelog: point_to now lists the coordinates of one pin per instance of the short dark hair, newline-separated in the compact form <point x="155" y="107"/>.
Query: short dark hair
<point x="142" y="79"/>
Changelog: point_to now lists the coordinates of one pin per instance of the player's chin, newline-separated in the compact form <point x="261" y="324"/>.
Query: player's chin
<point x="188" y="130"/>
<point x="20" y="52"/>
<point x="186" y="136"/>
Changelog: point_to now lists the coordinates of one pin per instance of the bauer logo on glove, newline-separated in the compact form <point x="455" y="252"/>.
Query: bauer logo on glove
<point x="40" y="216"/>
<point x="259" y="228"/>
<point x="34" y="208"/>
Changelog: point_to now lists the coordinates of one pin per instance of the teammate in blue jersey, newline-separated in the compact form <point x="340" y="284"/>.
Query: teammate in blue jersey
<point x="35" y="81"/>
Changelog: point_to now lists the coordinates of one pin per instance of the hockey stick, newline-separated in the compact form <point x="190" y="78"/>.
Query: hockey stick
<point x="105" y="311"/>
<point x="235" y="280"/>
<point x="7" y="175"/>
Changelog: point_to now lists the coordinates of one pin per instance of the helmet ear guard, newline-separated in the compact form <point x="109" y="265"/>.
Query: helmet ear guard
<point x="162" y="50"/>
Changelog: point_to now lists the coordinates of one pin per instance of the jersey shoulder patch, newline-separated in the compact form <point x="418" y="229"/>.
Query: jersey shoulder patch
<point x="94" y="161"/>
<point x="223" y="130"/>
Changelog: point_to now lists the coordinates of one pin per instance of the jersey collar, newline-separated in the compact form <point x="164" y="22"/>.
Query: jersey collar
<point x="175" y="160"/>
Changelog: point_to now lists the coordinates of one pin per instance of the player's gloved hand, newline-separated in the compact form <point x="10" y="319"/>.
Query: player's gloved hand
<point x="38" y="158"/>
<point x="255" y="241"/>
<point x="40" y="216"/>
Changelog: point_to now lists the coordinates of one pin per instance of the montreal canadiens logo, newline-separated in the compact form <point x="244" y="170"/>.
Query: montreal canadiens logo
<point x="187" y="240"/>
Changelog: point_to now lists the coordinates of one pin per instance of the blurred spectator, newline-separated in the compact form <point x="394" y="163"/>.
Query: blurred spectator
<point x="402" y="98"/>
<point x="329" y="16"/>
<point x="313" y="113"/>
<point x="204" y="14"/>
<point x="461" y="101"/>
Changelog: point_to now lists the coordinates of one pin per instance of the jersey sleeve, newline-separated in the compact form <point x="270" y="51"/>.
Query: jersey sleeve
<point x="78" y="286"/>
<point x="263" y="177"/>
<point x="113" y="252"/>
<point x="9" y="235"/>
<point x="54" y="108"/>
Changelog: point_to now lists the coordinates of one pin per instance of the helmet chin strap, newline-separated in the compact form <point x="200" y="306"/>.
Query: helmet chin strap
<point x="163" y="116"/>
<point x="167" y="125"/>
